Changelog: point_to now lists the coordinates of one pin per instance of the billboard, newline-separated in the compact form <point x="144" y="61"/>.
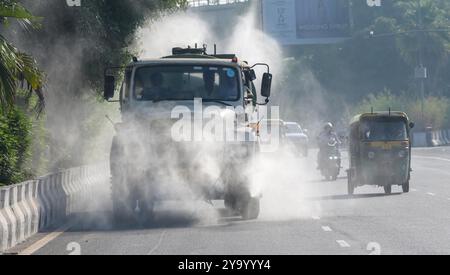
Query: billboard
<point x="306" y="21"/>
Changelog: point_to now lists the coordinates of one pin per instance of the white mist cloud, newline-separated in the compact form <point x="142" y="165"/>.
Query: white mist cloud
<point x="282" y="176"/>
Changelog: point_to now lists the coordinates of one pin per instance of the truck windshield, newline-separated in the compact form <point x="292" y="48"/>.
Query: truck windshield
<point x="156" y="83"/>
<point x="384" y="130"/>
<point x="292" y="128"/>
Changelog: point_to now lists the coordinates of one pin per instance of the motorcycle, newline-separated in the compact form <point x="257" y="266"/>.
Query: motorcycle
<point x="331" y="160"/>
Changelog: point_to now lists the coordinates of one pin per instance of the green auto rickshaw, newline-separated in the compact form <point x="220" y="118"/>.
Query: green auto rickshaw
<point x="380" y="151"/>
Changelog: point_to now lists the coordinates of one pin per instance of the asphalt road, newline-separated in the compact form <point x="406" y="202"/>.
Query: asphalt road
<point x="301" y="214"/>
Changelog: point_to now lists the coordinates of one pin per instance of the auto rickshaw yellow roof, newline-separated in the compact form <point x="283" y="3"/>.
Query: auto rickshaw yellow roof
<point x="357" y="118"/>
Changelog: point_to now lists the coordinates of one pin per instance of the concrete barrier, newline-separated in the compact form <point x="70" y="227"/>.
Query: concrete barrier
<point x="66" y="186"/>
<point x="431" y="138"/>
<point x="61" y="199"/>
<point x="419" y="139"/>
<point x="43" y="203"/>
<point x="37" y="205"/>
<point x="5" y="223"/>
<point x="445" y="137"/>
<point x="31" y="197"/>
<point x="440" y="137"/>
<point x="20" y="217"/>
<point x="22" y="204"/>
<point x="7" y="213"/>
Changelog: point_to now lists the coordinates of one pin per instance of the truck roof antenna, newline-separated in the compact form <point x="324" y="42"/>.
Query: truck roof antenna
<point x="215" y="49"/>
<point x="371" y="110"/>
<point x="389" y="111"/>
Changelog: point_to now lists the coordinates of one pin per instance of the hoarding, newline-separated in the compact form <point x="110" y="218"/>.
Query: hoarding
<point x="306" y="21"/>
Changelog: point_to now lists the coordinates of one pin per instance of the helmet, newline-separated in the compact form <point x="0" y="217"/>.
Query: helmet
<point x="328" y="126"/>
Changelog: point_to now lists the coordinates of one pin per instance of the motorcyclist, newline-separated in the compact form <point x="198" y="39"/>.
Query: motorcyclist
<point x="323" y="139"/>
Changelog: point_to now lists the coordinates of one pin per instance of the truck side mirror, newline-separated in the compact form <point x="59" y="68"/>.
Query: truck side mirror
<point x="110" y="85"/>
<point x="411" y="125"/>
<point x="266" y="84"/>
<point x="250" y="74"/>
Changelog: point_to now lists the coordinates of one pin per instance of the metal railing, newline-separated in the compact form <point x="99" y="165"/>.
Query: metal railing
<point x="201" y="3"/>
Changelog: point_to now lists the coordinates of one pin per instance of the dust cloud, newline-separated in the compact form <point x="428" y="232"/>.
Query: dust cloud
<point x="285" y="179"/>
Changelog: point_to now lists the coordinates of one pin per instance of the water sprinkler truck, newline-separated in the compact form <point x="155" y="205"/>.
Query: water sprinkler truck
<point x="150" y="90"/>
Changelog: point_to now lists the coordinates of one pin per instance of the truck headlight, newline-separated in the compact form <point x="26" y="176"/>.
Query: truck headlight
<point x="371" y="155"/>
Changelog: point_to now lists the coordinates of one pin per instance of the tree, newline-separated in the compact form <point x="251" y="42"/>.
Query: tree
<point x="73" y="47"/>
<point x="364" y="64"/>
<point x="16" y="66"/>
<point x="96" y="35"/>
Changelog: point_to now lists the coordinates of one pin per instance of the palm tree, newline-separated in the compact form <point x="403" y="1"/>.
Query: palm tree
<point x="17" y="67"/>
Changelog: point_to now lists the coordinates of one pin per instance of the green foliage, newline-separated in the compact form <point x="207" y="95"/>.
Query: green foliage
<point x="16" y="66"/>
<point x="15" y="140"/>
<point x="382" y="102"/>
<point x="365" y="64"/>
<point x="97" y="34"/>
<point x="435" y="113"/>
<point x="436" y="109"/>
<point x="74" y="45"/>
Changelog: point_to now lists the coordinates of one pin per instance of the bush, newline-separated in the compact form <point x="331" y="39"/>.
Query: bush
<point x="381" y="102"/>
<point x="436" y="109"/>
<point x="435" y="112"/>
<point x="15" y="140"/>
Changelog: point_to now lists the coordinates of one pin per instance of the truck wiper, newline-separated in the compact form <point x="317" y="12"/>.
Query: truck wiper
<point x="217" y="101"/>
<point x="163" y="99"/>
<point x="204" y="100"/>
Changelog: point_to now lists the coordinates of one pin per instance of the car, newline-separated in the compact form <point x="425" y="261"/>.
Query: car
<point x="297" y="136"/>
<point x="272" y="133"/>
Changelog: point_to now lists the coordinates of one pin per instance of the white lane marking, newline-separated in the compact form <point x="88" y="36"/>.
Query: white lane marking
<point x="343" y="243"/>
<point x="163" y="234"/>
<point x="413" y="190"/>
<point x="433" y="158"/>
<point x="326" y="229"/>
<point x="45" y="240"/>
<point x="315" y="217"/>
<point x="431" y="194"/>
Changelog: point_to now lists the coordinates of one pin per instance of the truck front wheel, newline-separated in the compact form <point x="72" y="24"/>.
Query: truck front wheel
<point x="250" y="209"/>
<point x="405" y="187"/>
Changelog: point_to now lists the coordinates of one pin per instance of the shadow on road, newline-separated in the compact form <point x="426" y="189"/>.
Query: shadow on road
<point x="327" y="181"/>
<point x="352" y="197"/>
<point x="103" y="221"/>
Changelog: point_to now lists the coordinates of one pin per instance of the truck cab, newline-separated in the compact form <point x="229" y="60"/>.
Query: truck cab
<point x="144" y="146"/>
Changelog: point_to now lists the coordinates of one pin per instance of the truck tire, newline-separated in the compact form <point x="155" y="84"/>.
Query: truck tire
<point x="231" y="203"/>
<point x="350" y="186"/>
<point x="121" y="203"/>
<point x="405" y="187"/>
<point x="251" y="208"/>
<point x="122" y="209"/>
<point x="388" y="189"/>
<point x="334" y="177"/>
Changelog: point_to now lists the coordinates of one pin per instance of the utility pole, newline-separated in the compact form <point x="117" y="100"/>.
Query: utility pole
<point x="421" y="70"/>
